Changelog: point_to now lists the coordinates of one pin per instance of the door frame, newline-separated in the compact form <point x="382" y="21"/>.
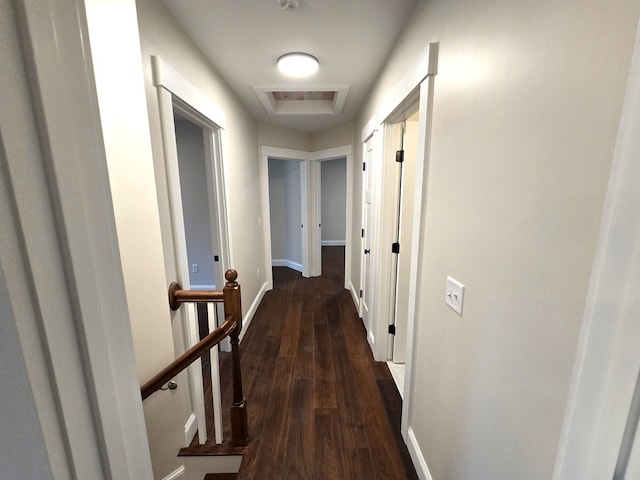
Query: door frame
<point x="66" y="296"/>
<point x="608" y="358"/>
<point x="318" y="157"/>
<point x="310" y="195"/>
<point x="416" y="84"/>
<point x="371" y="134"/>
<point x="175" y="92"/>
<point x="303" y="182"/>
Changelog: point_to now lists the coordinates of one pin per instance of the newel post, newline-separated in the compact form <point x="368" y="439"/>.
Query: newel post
<point x="233" y="307"/>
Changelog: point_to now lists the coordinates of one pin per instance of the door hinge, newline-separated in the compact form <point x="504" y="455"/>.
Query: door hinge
<point x="360" y="293"/>
<point x="400" y="156"/>
<point x="362" y="233"/>
<point x="392" y="329"/>
<point x="364" y="166"/>
<point x="395" y="247"/>
<point x="216" y="258"/>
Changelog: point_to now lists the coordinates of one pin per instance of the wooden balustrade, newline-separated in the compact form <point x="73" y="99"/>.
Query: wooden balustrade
<point x="231" y="297"/>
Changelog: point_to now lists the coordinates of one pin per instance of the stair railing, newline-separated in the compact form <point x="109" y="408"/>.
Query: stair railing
<point x="231" y="298"/>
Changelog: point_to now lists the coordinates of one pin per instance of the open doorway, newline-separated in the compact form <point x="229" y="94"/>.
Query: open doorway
<point x="200" y="232"/>
<point x="310" y="204"/>
<point x="332" y="189"/>
<point x="405" y="141"/>
<point x="285" y="213"/>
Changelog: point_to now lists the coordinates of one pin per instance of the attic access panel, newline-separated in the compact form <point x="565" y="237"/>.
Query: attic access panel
<point x="326" y="100"/>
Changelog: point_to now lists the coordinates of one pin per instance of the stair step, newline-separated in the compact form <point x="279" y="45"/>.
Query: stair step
<point x="221" y="476"/>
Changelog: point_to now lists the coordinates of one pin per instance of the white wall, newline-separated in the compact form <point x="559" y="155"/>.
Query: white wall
<point x="285" y="212"/>
<point x="332" y="137"/>
<point x="275" y="136"/>
<point x="277" y="208"/>
<point x="195" y="202"/>
<point x="333" y="199"/>
<point x="520" y="155"/>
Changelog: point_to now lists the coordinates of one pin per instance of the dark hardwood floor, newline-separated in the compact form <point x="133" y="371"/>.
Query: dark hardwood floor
<point x="319" y="406"/>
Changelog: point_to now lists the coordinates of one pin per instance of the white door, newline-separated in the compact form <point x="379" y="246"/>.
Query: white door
<point x="405" y="227"/>
<point x="366" y="292"/>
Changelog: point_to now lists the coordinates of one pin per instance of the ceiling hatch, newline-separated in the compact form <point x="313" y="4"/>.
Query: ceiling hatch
<point x="326" y="100"/>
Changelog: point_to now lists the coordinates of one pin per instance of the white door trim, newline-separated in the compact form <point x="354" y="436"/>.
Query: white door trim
<point x="176" y="93"/>
<point x="608" y="356"/>
<point x="310" y="197"/>
<point x="81" y="364"/>
<point x="420" y="77"/>
<point x="406" y="91"/>
<point x="345" y="151"/>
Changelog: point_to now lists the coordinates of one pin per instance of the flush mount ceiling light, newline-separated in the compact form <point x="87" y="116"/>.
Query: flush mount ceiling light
<point x="297" y="64"/>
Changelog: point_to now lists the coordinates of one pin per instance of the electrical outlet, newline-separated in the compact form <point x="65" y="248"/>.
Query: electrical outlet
<point x="194" y="268"/>
<point x="454" y="295"/>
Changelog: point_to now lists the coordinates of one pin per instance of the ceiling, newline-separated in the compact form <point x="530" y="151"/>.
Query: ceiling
<point x="244" y="38"/>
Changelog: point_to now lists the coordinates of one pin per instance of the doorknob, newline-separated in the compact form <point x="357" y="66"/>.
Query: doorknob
<point x="366" y="250"/>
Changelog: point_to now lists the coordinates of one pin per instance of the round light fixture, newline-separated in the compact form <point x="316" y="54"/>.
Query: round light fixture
<point x="297" y="64"/>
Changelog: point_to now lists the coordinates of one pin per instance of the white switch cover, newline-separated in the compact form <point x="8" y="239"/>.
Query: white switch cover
<point x="454" y="296"/>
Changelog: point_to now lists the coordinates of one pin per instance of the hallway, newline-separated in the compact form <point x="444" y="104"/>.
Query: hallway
<point x="314" y="393"/>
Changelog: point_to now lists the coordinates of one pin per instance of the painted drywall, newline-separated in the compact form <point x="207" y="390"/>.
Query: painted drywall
<point x="282" y="137"/>
<point x="276" y="136"/>
<point x="521" y="148"/>
<point x="285" y="211"/>
<point x="333" y="184"/>
<point x="160" y="35"/>
<point x="277" y="208"/>
<point x="332" y="137"/>
<point x="195" y="202"/>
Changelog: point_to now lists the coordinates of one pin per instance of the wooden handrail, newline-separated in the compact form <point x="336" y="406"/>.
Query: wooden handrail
<point x="188" y="357"/>
<point x="177" y="296"/>
<point x="232" y="327"/>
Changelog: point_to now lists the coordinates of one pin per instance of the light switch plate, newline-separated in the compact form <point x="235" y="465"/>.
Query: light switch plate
<point x="454" y="295"/>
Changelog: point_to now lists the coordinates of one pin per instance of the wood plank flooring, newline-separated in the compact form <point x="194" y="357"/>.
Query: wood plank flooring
<point x="317" y="402"/>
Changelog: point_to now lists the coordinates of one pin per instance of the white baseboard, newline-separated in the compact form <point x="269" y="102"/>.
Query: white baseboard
<point x="190" y="429"/>
<point x="246" y="321"/>
<point x="333" y="243"/>
<point x="177" y="473"/>
<point x="416" y="455"/>
<point x="287" y="263"/>
<point x="355" y="295"/>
